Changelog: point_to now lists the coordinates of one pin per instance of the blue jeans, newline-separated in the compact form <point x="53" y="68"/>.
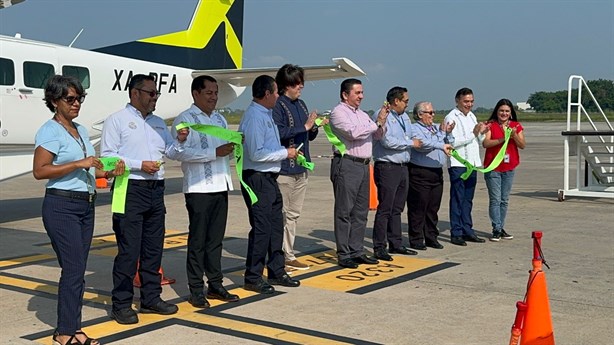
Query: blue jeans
<point x="461" y="202"/>
<point x="499" y="185"/>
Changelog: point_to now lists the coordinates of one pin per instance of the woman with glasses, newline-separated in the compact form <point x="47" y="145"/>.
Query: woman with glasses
<point x="499" y="181"/>
<point x="64" y="155"/>
<point x="426" y="177"/>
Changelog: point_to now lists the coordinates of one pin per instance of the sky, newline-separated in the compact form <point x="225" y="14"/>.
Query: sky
<point x="500" y="49"/>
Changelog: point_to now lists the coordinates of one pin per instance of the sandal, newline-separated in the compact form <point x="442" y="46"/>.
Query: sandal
<point x="68" y="342"/>
<point x="88" y="340"/>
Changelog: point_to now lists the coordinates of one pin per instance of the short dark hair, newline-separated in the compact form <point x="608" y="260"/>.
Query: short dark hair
<point x="395" y="93"/>
<point x="347" y="85"/>
<point x="198" y="83"/>
<point x="261" y="85"/>
<point x="138" y="80"/>
<point x="463" y="92"/>
<point x="502" y="102"/>
<point x="58" y="87"/>
<point x="288" y="76"/>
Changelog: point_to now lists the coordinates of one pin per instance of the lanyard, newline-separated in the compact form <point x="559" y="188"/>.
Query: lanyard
<point x="400" y="121"/>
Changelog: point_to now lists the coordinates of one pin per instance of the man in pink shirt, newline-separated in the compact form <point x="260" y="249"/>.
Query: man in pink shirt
<point x="349" y="172"/>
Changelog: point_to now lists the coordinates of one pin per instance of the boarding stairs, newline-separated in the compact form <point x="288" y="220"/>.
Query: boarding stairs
<point x="590" y="139"/>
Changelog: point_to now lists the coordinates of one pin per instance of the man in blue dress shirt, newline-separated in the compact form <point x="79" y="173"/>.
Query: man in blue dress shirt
<point x="391" y="154"/>
<point x="262" y="158"/>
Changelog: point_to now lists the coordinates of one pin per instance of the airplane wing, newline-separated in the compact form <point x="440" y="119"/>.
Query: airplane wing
<point x="341" y="69"/>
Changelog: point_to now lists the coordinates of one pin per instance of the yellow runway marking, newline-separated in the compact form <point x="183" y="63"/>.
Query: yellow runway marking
<point x="25" y="259"/>
<point x="51" y="289"/>
<point x="350" y="279"/>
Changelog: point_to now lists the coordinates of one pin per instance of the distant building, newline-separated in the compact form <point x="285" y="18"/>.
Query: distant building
<point x="524" y="106"/>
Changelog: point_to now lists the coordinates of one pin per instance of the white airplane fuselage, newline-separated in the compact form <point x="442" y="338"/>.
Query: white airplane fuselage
<point x="22" y="107"/>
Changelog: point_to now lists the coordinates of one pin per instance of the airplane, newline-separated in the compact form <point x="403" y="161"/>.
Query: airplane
<point x="211" y="45"/>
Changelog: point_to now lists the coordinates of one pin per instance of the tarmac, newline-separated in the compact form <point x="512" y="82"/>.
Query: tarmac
<point x="457" y="295"/>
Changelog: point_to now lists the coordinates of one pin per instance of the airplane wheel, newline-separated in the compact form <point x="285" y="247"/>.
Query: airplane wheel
<point x="561" y="196"/>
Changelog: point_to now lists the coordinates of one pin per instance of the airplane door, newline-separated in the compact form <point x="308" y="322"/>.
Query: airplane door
<point x="22" y="109"/>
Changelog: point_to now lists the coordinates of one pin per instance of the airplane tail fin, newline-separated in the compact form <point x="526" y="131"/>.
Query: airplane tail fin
<point x="214" y="40"/>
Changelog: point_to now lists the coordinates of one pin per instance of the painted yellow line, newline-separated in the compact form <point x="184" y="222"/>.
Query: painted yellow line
<point x="188" y="313"/>
<point x="350" y="279"/>
<point x="50" y="289"/>
<point x="317" y="262"/>
<point x="25" y="259"/>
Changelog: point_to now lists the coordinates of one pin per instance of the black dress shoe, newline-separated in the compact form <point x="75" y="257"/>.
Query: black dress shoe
<point x="284" y="280"/>
<point x="418" y="246"/>
<point x="219" y="292"/>
<point x="458" y="241"/>
<point x="382" y="254"/>
<point x="260" y="287"/>
<point x="403" y="250"/>
<point x="161" y="308"/>
<point x="124" y="316"/>
<point x="435" y="245"/>
<point x="348" y="263"/>
<point x="198" y="300"/>
<point x="364" y="259"/>
<point x="473" y="238"/>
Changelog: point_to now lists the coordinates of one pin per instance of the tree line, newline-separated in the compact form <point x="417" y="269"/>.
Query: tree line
<point x="556" y="102"/>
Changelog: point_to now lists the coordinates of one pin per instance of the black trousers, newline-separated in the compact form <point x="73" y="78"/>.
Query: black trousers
<point x="140" y="237"/>
<point x="207" y="213"/>
<point x="267" y="232"/>
<point x="423" y="202"/>
<point x="70" y="226"/>
<point x="391" y="182"/>
<point x="351" y="188"/>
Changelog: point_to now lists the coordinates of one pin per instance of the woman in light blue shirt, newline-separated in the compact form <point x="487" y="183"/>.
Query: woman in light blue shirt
<point x="64" y="155"/>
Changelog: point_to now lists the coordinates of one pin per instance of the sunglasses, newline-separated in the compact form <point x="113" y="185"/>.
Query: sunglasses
<point x="71" y="99"/>
<point x="151" y="93"/>
<point x="428" y="112"/>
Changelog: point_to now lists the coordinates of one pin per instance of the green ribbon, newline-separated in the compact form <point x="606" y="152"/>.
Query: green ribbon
<point x="120" y="186"/>
<point x="230" y="136"/>
<point x="332" y="138"/>
<point x="302" y="161"/>
<point x="493" y="165"/>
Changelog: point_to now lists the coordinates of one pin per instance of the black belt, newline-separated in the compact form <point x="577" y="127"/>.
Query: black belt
<point x="391" y="163"/>
<point x="85" y="196"/>
<point x="272" y="175"/>
<point x="354" y="159"/>
<point x="147" y="183"/>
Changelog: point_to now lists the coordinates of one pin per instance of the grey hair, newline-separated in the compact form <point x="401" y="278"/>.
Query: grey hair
<point x="419" y="107"/>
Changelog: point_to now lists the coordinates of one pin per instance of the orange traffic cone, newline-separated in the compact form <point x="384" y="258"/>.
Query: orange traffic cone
<point x="102" y="183"/>
<point x="372" y="191"/>
<point x="165" y="280"/>
<point x="537" y="325"/>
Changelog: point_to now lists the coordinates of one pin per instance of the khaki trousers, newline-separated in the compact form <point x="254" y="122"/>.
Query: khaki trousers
<point x="293" y="188"/>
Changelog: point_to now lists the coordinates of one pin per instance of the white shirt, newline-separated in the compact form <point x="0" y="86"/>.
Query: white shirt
<point x="464" y="142"/>
<point x="203" y="171"/>
<point x="129" y="136"/>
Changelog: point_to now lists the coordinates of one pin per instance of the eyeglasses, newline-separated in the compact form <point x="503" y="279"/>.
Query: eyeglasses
<point x="428" y="112"/>
<point x="405" y="101"/>
<point x="71" y="99"/>
<point x="151" y="93"/>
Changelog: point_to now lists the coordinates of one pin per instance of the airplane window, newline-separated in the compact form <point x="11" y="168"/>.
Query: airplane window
<point x="7" y="72"/>
<point x="81" y="73"/>
<point x="35" y="74"/>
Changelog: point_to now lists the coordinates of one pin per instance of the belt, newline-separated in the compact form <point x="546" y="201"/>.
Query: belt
<point x="85" y="196"/>
<point x="147" y="183"/>
<point x="272" y="175"/>
<point x="391" y="163"/>
<point x="354" y="159"/>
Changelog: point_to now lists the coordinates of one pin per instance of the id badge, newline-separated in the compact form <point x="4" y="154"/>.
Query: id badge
<point x="506" y="158"/>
